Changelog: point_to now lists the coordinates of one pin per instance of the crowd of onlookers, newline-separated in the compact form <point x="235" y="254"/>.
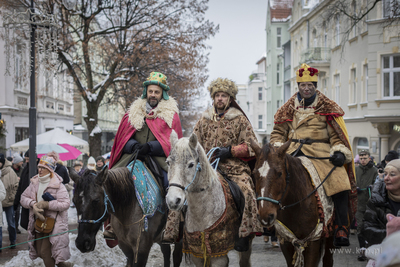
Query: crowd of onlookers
<point x="24" y="199"/>
<point x="378" y="209"/>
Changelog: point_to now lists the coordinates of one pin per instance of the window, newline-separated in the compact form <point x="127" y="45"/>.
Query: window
<point x="60" y="107"/>
<point x="337" y="30"/>
<point x="337" y="87"/>
<point x="69" y="108"/>
<point x="260" y="93"/>
<point x="278" y="37"/>
<point x="21" y="133"/>
<point x="354" y="4"/>
<point x="365" y="83"/>
<point x="277" y="104"/>
<point x="260" y="121"/>
<point x="391" y="8"/>
<point x="277" y="73"/>
<point x="391" y="76"/>
<point x="49" y="105"/>
<point x="353" y="86"/>
<point x="325" y="36"/>
<point x="362" y="144"/>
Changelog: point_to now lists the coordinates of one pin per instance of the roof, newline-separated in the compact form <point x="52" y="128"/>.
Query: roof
<point x="280" y="10"/>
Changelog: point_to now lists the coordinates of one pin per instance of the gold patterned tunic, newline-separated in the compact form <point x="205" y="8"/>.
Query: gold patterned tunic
<point x="234" y="130"/>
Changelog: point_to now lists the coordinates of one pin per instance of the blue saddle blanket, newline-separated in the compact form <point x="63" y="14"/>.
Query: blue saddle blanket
<point x="147" y="191"/>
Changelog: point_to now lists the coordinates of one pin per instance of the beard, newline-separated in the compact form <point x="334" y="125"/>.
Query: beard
<point x="153" y="102"/>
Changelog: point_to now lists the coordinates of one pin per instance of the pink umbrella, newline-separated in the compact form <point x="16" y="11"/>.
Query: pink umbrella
<point x="71" y="152"/>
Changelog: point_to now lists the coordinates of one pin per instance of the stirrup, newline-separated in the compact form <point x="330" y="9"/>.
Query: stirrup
<point x="109" y="235"/>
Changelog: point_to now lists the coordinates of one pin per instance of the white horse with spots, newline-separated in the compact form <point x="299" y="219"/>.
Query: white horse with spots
<point x="193" y="180"/>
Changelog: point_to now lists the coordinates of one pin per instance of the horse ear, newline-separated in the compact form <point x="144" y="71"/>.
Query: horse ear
<point x="283" y="148"/>
<point x="173" y="138"/>
<point x="101" y="177"/>
<point x="73" y="175"/>
<point x="193" y="141"/>
<point x="256" y="148"/>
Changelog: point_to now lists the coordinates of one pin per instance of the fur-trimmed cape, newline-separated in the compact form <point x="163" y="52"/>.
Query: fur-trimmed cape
<point x="161" y="120"/>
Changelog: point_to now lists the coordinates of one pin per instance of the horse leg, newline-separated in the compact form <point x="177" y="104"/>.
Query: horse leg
<point x="166" y="251"/>
<point x="288" y="252"/>
<point x="327" y="260"/>
<point x="143" y="251"/>
<point x="127" y="250"/>
<point x="177" y="254"/>
<point x="312" y="253"/>
<point x="244" y="257"/>
<point x="222" y="261"/>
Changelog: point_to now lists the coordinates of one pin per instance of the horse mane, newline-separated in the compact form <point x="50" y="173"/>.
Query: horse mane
<point x="120" y="187"/>
<point x="298" y="172"/>
<point x="207" y="171"/>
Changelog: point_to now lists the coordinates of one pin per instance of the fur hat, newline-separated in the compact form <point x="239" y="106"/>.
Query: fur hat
<point x="156" y="78"/>
<point x="48" y="162"/>
<point x="306" y="74"/>
<point x="223" y="85"/>
<point x="17" y="158"/>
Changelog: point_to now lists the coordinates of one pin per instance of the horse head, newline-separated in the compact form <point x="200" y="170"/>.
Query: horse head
<point x="186" y="161"/>
<point x="270" y="175"/>
<point x="89" y="202"/>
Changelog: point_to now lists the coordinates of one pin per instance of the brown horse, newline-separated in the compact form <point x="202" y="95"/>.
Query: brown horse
<point x="281" y="180"/>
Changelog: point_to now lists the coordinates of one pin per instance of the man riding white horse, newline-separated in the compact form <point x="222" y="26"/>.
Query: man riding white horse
<point x="226" y="126"/>
<point x="146" y="128"/>
<point x="315" y="125"/>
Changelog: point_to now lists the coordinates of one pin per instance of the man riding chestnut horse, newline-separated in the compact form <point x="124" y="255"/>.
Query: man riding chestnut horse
<point x="316" y="128"/>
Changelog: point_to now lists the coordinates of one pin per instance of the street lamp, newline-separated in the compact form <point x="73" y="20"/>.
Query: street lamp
<point x="44" y="26"/>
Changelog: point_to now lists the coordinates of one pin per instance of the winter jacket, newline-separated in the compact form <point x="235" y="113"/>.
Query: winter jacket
<point x="374" y="230"/>
<point x="2" y="197"/>
<point x="365" y="176"/>
<point x="63" y="172"/>
<point x="10" y="181"/>
<point x="24" y="182"/>
<point x="57" y="209"/>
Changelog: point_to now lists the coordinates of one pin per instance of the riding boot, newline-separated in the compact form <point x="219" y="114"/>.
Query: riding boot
<point x="108" y="233"/>
<point x="170" y="234"/>
<point x="341" y="235"/>
<point x="65" y="264"/>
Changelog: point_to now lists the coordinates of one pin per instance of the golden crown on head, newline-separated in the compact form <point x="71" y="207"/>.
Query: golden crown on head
<point x="306" y="74"/>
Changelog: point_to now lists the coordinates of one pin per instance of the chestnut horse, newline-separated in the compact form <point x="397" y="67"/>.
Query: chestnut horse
<point x="283" y="187"/>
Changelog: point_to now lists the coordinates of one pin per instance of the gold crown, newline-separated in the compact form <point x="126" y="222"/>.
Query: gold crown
<point x="306" y="74"/>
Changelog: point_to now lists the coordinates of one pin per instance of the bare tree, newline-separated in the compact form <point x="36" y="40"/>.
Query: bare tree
<point x="353" y="14"/>
<point x="113" y="45"/>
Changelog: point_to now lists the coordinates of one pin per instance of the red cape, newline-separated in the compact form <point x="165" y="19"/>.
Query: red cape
<point x="157" y="126"/>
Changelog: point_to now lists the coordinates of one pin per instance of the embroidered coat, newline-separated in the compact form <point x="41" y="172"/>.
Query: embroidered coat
<point x="292" y="121"/>
<point x="234" y="130"/>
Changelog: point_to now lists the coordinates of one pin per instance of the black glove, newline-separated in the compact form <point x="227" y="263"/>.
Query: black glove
<point x="337" y="159"/>
<point x="223" y="153"/>
<point x="144" y="149"/>
<point x="136" y="146"/>
<point x="359" y="190"/>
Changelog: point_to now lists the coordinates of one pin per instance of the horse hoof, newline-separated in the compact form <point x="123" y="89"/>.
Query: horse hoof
<point x="242" y="244"/>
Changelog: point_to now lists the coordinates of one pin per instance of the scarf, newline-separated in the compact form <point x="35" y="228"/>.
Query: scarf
<point x="148" y="108"/>
<point x="395" y="198"/>
<point x="307" y="101"/>
<point x="43" y="183"/>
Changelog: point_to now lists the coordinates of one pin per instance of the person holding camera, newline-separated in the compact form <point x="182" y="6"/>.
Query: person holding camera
<point x="365" y="174"/>
<point x="48" y="202"/>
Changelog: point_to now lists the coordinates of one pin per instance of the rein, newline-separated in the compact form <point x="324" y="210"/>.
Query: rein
<point x="198" y="168"/>
<point x="106" y="201"/>
<point x="279" y="202"/>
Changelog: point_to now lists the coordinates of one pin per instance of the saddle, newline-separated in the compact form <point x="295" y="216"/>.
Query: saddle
<point x="237" y="194"/>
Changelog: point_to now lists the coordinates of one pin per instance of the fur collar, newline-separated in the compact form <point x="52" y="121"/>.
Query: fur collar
<point x="230" y="115"/>
<point x="165" y="110"/>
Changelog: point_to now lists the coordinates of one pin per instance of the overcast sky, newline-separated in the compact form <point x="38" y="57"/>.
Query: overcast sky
<point x="241" y="40"/>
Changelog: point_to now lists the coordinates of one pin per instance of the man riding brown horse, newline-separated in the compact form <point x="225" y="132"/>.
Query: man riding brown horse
<point x="226" y="126"/>
<point x="315" y="125"/>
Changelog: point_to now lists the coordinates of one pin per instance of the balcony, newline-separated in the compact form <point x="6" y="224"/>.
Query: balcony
<point x="316" y="55"/>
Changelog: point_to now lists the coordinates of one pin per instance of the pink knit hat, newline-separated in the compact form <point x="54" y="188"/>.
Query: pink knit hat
<point x="48" y="162"/>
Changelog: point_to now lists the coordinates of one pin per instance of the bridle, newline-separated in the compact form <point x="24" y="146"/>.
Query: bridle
<point x="106" y="201"/>
<point x="279" y="202"/>
<point x="198" y="169"/>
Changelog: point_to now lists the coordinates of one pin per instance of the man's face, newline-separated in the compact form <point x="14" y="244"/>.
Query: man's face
<point x="364" y="159"/>
<point x="306" y="89"/>
<point x="220" y="100"/>
<point x="99" y="163"/>
<point x="154" y="94"/>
